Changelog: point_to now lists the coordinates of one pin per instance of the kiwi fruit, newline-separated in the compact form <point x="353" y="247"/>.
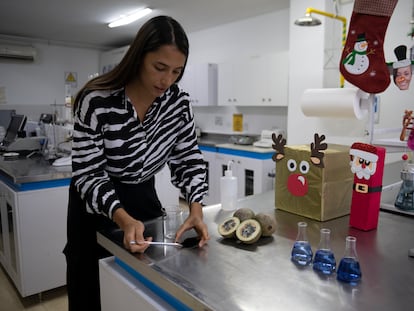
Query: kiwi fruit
<point x="227" y="228"/>
<point x="249" y="231"/>
<point x="267" y="223"/>
<point x="244" y="214"/>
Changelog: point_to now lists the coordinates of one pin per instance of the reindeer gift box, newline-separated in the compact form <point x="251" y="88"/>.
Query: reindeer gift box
<point x="313" y="180"/>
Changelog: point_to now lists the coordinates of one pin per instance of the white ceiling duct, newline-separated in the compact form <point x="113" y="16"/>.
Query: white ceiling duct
<point x="18" y="52"/>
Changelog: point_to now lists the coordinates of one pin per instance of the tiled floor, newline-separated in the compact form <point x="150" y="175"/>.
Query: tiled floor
<point x="53" y="300"/>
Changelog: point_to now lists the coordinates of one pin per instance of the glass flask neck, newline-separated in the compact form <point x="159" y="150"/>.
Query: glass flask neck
<point x="325" y="240"/>
<point x="350" y="247"/>
<point x="302" y="236"/>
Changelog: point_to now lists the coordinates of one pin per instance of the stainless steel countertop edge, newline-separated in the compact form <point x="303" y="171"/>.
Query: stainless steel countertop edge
<point x="150" y="270"/>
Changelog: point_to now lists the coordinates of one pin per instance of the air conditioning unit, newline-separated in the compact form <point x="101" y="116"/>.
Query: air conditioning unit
<point x="18" y="52"/>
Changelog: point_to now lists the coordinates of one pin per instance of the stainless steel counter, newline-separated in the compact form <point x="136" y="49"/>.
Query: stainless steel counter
<point x="226" y="275"/>
<point x="35" y="169"/>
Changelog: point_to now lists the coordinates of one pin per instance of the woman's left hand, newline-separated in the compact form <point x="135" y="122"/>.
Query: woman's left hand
<point x="195" y="221"/>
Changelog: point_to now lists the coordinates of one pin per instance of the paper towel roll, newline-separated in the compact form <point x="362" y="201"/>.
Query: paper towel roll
<point x="337" y="103"/>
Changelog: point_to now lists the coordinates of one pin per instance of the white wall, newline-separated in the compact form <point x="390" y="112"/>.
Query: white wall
<point x="33" y="87"/>
<point x="243" y="39"/>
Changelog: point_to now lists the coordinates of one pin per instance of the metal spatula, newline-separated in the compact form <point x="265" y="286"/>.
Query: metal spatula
<point x="157" y="243"/>
<point x="187" y="243"/>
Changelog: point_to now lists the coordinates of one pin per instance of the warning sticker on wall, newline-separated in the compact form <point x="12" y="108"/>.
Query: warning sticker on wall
<point x="71" y="78"/>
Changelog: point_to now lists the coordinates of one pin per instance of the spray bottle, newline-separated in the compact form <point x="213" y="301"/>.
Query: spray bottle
<point x="228" y="189"/>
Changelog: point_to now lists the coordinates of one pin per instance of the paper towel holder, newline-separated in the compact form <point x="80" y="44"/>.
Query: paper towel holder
<point x="363" y="100"/>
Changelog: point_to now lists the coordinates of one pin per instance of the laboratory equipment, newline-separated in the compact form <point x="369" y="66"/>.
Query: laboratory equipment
<point x="349" y="270"/>
<point x="405" y="197"/>
<point x="228" y="189"/>
<point x="302" y="252"/>
<point x="324" y="260"/>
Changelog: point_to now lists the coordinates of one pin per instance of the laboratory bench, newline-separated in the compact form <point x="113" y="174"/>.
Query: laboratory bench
<point x="33" y="209"/>
<point x="228" y="275"/>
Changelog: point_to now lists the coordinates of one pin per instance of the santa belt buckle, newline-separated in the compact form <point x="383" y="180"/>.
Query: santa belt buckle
<point x="361" y="188"/>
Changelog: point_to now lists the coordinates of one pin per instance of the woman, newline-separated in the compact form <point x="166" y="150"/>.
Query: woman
<point x="128" y="124"/>
<point x="402" y="77"/>
<point x="402" y="70"/>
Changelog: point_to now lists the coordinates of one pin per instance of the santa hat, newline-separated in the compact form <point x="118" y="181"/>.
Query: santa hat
<point x="364" y="151"/>
<point x="401" y="54"/>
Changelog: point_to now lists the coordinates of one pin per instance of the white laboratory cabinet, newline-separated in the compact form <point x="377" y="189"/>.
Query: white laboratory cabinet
<point x="255" y="171"/>
<point x="32" y="237"/>
<point x="254" y="175"/>
<point x="200" y="81"/>
<point x="234" y="83"/>
<point x="257" y="81"/>
<point x="213" y="179"/>
<point x="120" y="291"/>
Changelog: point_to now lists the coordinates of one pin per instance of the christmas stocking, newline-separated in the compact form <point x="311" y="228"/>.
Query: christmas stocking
<point x="362" y="61"/>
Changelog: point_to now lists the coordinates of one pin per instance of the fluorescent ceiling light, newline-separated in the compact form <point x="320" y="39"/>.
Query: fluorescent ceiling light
<point x="129" y="18"/>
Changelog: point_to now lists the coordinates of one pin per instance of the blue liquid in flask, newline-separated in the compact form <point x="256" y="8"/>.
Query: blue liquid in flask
<point x="349" y="270"/>
<point x="324" y="261"/>
<point x="302" y="253"/>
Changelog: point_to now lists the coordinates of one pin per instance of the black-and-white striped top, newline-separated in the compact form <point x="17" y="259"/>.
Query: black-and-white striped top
<point x="110" y="141"/>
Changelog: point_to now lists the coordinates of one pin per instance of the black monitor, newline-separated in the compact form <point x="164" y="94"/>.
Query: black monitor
<point x="16" y="125"/>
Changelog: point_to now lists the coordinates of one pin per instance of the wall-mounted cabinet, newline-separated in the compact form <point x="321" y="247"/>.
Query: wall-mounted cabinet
<point x="258" y="81"/>
<point x="200" y="81"/>
<point x="234" y="83"/>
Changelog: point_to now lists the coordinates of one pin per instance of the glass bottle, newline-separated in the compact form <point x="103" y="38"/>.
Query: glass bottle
<point x="324" y="260"/>
<point x="348" y="269"/>
<point x="302" y="251"/>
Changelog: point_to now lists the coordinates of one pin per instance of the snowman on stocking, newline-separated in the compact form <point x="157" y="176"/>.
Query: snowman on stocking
<point x="362" y="61"/>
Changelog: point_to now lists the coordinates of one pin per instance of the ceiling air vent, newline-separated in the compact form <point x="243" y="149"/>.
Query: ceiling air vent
<point x="18" y="52"/>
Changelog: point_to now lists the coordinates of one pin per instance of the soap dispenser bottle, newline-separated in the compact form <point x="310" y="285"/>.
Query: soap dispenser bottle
<point x="228" y="189"/>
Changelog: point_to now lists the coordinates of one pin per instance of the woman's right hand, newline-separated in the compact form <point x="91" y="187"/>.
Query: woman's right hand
<point x="133" y="231"/>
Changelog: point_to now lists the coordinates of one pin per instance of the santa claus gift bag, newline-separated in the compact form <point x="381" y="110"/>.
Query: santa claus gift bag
<point x="367" y="164"/>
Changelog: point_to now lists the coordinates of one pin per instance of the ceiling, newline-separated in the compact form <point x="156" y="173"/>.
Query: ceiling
<point x="84" y="22"/>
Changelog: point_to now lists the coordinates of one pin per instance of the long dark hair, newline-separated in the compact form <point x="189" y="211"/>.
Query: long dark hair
<point x="158" y="31"/>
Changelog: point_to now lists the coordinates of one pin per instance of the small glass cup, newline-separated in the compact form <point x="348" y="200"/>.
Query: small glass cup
<point x="172" y="219"/>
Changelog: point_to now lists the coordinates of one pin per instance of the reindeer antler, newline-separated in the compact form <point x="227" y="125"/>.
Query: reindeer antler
<point x="407" y="123"/>
<point x="316" y="147"/>
<point x="279" y="146"/>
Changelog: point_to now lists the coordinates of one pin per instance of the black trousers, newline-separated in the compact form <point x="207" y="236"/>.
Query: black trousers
<point x="82" y="250"/>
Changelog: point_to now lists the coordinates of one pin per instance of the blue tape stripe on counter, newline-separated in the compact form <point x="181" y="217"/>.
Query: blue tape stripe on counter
<point x="175" y="303"/>
<point x="244" y="153"/>
<point x="37" y="185"/>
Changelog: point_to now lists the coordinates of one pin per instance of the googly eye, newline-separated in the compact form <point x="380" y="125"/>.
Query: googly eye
<point x="291" y="165"/>
<point x="304" y="167"/>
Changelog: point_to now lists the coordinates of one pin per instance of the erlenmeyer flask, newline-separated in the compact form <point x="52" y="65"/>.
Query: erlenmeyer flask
<point x="349" y="269"/>
<point x="324" y="260"/>
<point x="302" y="251"/>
